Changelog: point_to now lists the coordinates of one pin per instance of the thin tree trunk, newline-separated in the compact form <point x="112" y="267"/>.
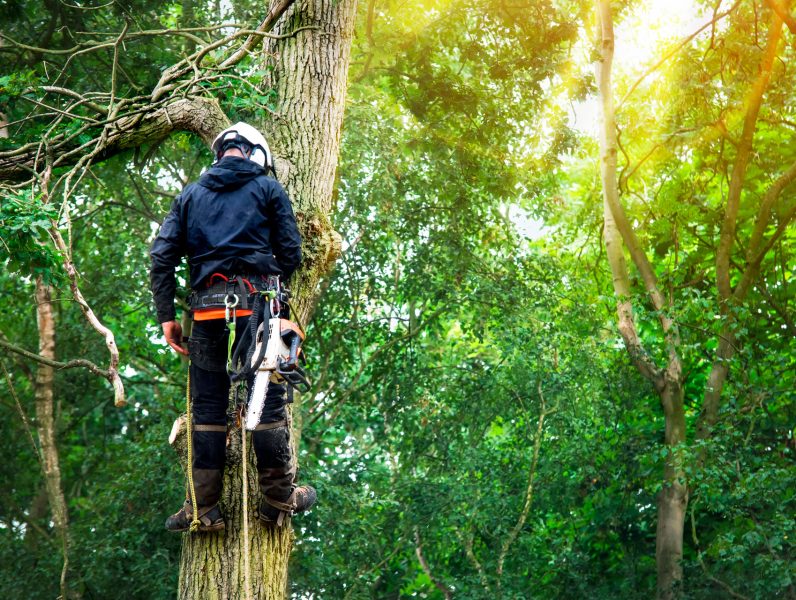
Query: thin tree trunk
<point x="668" y="382"/>
<point x="45" y="427"/>
<point x="310" y="74"/>
<point x="672" y="499"/>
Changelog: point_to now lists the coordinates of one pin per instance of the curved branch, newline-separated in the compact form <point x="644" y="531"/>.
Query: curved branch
<point x="202" y="116"/>
<point x="753" y="102"/>
<point x="426" y="568"/>
<point x="267" y="24"/>
<point x="526" y="507"/>
<point x="81" y="363"/>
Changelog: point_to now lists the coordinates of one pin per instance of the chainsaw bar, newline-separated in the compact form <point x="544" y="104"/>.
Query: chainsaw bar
<point x="257" y="399"/>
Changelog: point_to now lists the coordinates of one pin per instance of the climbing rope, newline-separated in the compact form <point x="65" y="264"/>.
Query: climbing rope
<point x="189" y="429"/>
<point x="245" y="460"/>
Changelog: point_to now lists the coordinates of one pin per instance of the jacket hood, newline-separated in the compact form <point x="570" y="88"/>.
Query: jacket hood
<point x="230" y="173"/>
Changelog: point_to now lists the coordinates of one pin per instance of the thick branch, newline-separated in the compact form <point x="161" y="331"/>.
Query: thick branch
<point x="202" y="116"/>
<point x="783" y="14"/>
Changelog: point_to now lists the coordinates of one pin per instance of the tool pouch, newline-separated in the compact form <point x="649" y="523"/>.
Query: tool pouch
<point x="207" y="354"/>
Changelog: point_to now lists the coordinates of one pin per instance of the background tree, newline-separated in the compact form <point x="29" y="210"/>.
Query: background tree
<point x="664" y="366"/>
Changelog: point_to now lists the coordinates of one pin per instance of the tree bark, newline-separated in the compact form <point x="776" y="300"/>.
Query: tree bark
<point x="673" y="497"/>
<point x="212" y="564"/>
<point x="45" y="427"/>
<point x="310" y="74"/>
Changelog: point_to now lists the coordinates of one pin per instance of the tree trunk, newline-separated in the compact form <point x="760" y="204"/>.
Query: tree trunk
<point x="311" y="70"/>
<point x="310" y="75"/>
<point x="673" y="497"/>
<point x="212" y="564"/>
<point x="45" y="426"/>
<point x="668" y="382"/>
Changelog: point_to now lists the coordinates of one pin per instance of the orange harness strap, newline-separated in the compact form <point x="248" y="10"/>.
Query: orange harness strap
<point x="207" y="314"/>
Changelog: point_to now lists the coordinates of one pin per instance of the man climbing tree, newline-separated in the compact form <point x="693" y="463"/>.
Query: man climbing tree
<point x="237" y="227"/>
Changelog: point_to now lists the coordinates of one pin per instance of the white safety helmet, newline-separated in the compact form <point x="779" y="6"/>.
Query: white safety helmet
<point x="248" y="140"/>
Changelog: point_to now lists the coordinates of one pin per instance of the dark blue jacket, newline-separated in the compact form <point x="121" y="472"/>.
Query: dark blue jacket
<point x="234" y="220"/>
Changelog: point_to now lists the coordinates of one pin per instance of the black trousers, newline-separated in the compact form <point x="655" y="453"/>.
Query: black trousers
<point x="210" y="387"/>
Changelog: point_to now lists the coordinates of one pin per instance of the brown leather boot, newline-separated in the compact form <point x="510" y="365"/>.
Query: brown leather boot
<point x="207" y="485"/>
<point x="210" y="519"/>
<point x="301" y="500"/>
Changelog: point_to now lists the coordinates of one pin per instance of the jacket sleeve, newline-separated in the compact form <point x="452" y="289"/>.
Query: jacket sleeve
<point x="166" y="253"/>
<point x="285" y="236"/>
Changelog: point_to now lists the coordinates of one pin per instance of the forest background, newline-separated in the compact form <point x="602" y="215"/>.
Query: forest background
<point x="550" y="327"/>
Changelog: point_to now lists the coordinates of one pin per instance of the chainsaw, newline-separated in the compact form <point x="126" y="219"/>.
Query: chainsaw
<point x="275" y="359"/>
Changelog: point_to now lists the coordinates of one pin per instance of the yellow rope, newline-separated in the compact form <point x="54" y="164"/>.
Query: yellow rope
<point x="195" y="523"/>
<point x="245" y="460"/>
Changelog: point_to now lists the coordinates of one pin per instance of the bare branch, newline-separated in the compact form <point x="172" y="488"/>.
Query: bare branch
<point x="73" y="94"/>
<point x="81" y="363"/>
<point x="267" y="24"/>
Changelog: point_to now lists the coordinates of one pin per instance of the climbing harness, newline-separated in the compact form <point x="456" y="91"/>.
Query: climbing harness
<point x="267" y="350"/>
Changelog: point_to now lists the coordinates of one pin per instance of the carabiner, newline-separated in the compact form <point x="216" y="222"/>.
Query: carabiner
<point x="229" y="304"/>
